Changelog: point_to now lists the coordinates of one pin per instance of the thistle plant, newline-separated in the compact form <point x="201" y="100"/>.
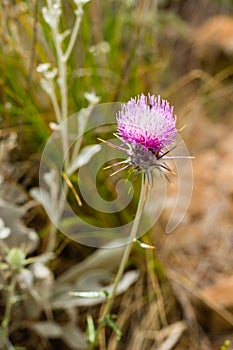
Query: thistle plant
<point x="147" y="127"/>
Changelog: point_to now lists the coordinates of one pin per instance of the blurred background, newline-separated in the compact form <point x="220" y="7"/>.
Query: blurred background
<point x="183" y="51"/>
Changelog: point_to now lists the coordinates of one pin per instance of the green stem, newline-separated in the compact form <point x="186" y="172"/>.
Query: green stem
<point x="128" y="248"/>
<point x="73" y="36"/>
<point x="6" y="320"/>
<point x="55" y="103"/>
<point x="53" y="228"/>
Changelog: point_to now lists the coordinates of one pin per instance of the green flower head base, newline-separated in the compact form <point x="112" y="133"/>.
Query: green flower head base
<point x="146" y="127"/>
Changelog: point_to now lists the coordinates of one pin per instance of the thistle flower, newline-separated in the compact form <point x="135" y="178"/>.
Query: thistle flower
<point x="146" y="126"/>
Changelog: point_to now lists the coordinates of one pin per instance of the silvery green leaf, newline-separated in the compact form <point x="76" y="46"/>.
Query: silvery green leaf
<point x="25" y="279"/>
<point x="50" y="177"/>
<point x="94" y="280"/>
<point x="13" y="192"/>
<point x="40" y="195"/>
<point x="21" y="236"/>
<point x="73" y="337"/>
<point x="83" y="158"/>
<point x="64" y="296"/>
<point x="61" y="298"/>
<point x="127" y="280"/>
<point x="40" y="270"/>
<point x="98" y="260"/>
<point x="48" y="329"/>
<point x="82" y="119"/>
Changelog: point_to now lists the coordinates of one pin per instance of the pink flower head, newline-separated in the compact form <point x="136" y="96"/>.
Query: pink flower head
<point x="146" y="126"/>
<point x="147" y="121"/>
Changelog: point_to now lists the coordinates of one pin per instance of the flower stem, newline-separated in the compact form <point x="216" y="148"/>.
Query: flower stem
<point x="6" y="320"/>
<point x="73" y="36"/>
<point x="128" y="248"/>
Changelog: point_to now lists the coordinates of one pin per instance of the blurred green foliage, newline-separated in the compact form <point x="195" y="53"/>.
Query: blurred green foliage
<point x="123" y="48"/>
<point x="127" y="66"/>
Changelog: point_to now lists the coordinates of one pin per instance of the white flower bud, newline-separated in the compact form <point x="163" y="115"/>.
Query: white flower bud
<point x="4" y="231"/>
<point x="43" y="67"/>
<point x="92" y="98"/>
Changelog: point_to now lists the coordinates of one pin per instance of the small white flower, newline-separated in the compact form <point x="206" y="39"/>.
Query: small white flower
<point x="4" y="231"/>
<point x="51" y="15"/>
<point x="81" y="2"/>
<point x="50" y="74"/>
<point x="43" y="67"/>
<point x="92" y="98"/>
<point x="48" y="17"/>
<point x="56" y="5"/>
<point x="53" y="126"/>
